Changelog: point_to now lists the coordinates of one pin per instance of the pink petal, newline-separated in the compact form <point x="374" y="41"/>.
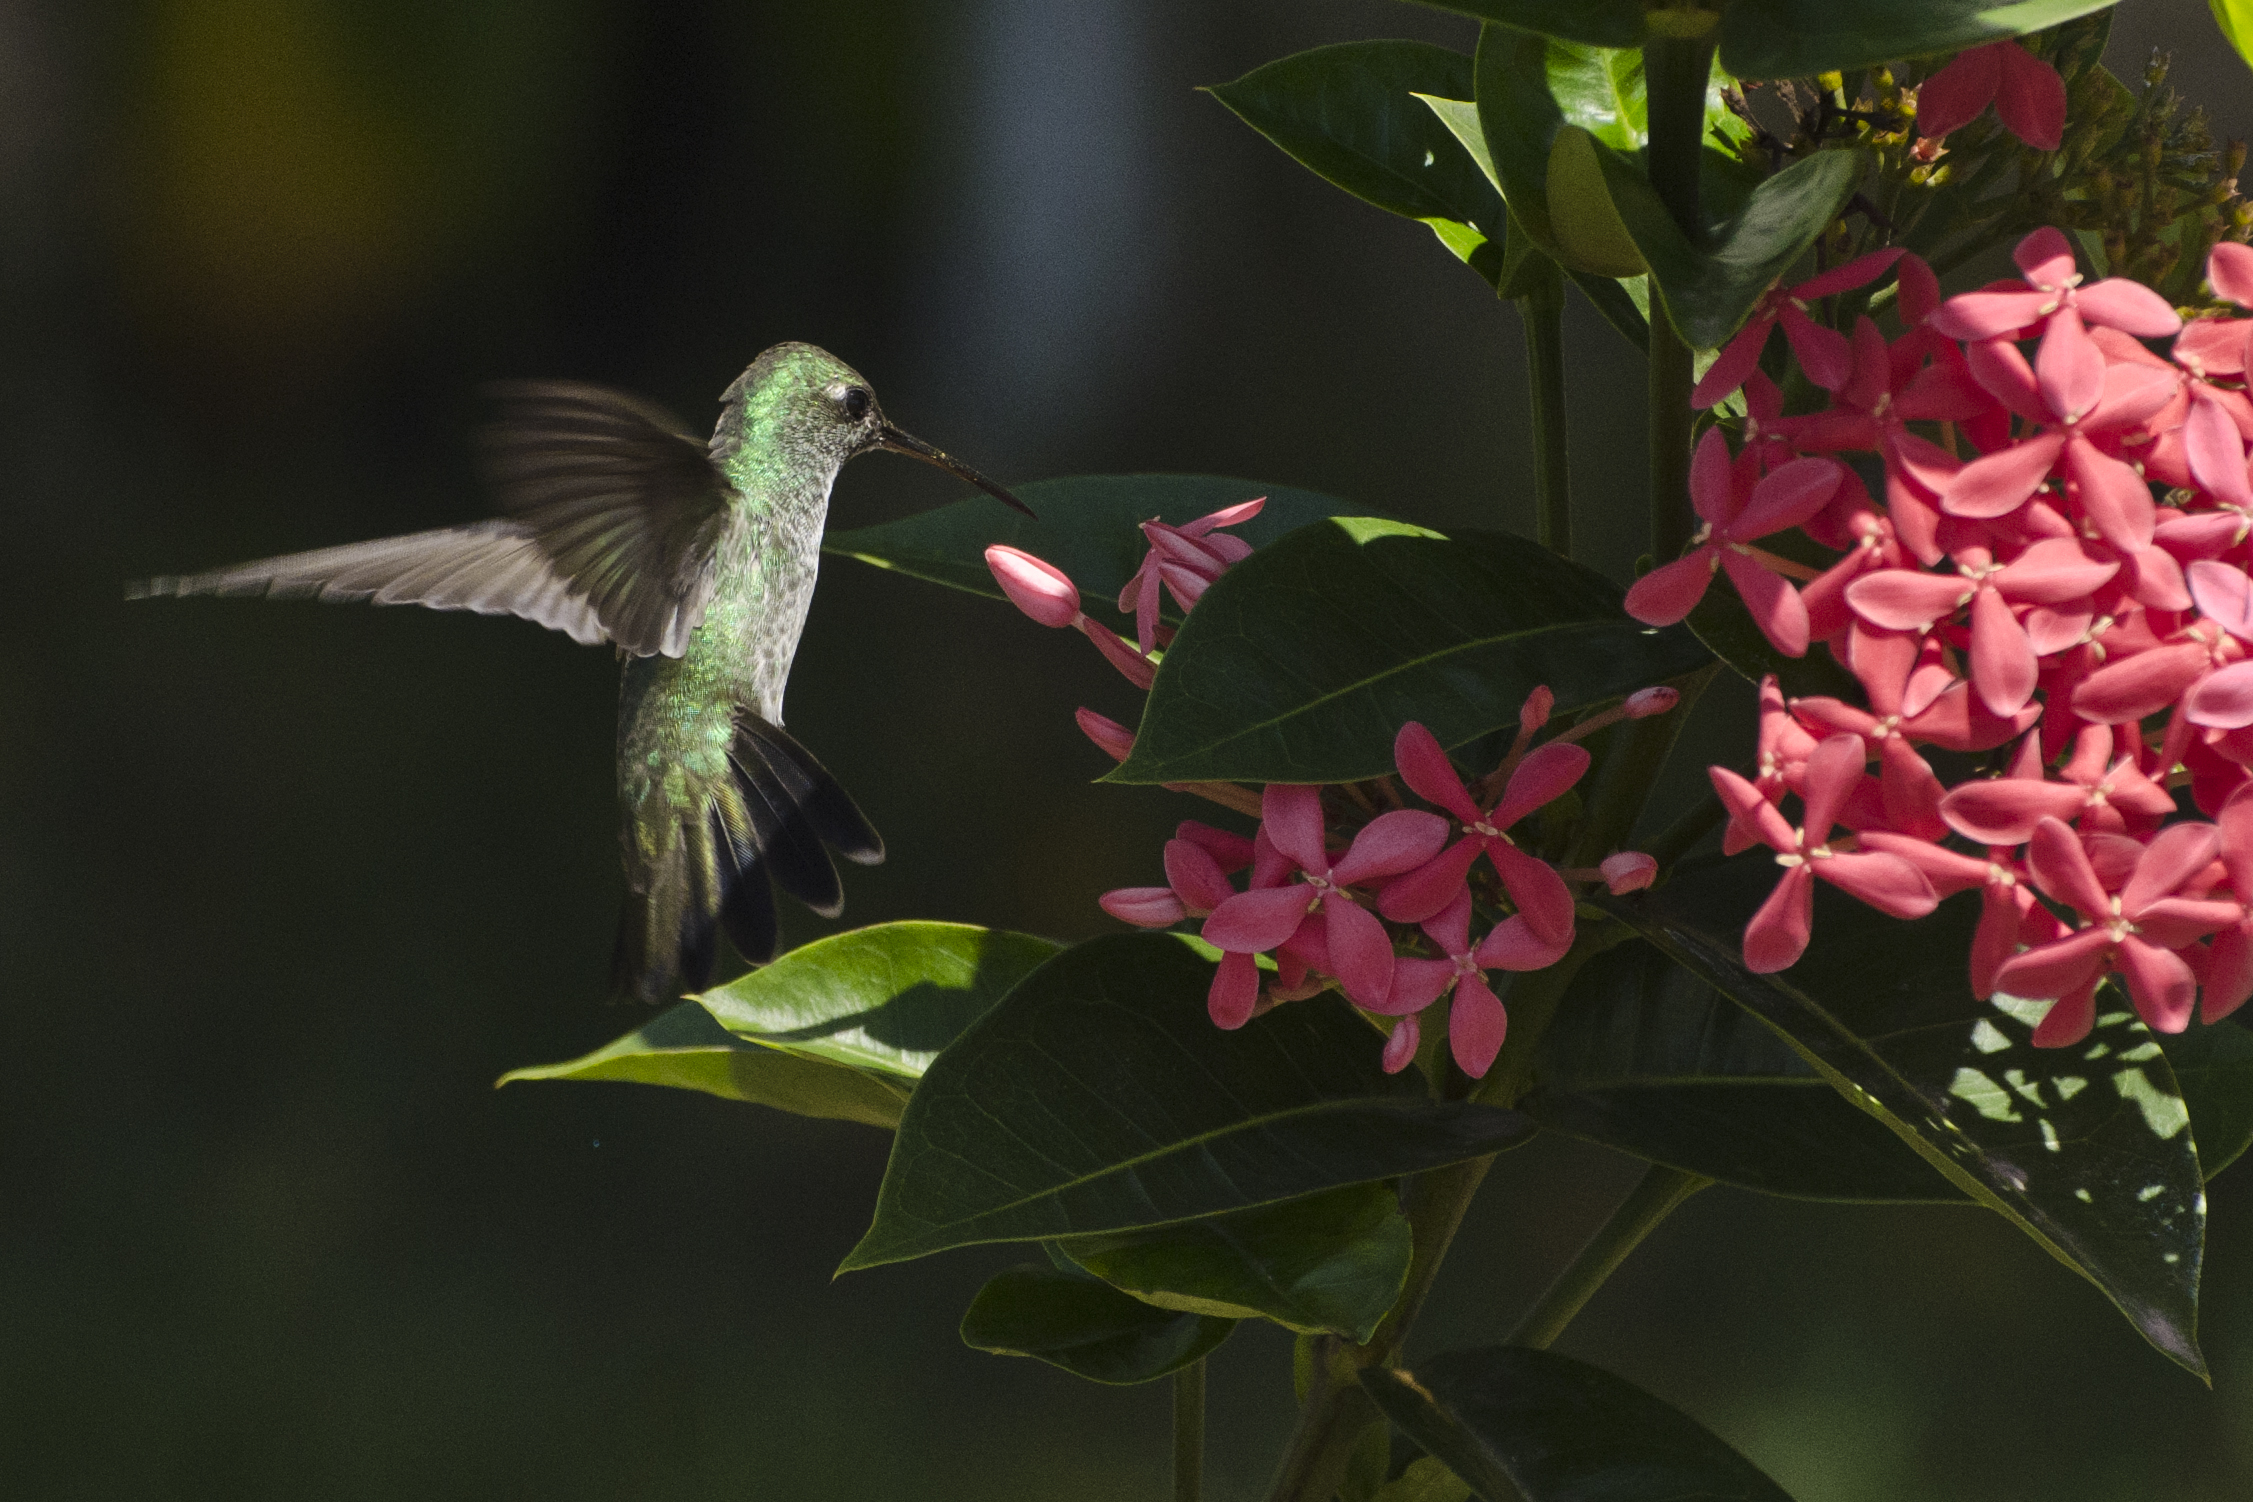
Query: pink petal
<point x="1110" y="737"/>
<point x="1886" y="882"/>
<point x="1981" y="316"/>
<point x="2236" y="821"/>
<point x="2052" y="572"/>
<point x="2133" y="396"/>
<point x="1255" y="921"/>
<point x="2068" y="367"/>
<point x="1451" y="928"/>
<point x="1428" y="890"/>
<point x="1956" y="95"/>
<point x="1824" y="354"/>
<point x="2173" y="922"/>
<point x="2229" y="973"/>
<point x="1360" y="952"/>
<point x="1775" y="606"/>
<point x="1947" y="870"/>
<point x="2224" y="595"/>
<point x="1233" y="851"/>
<point x="2229" y="271"/>
<point x="1999" y="483"/>
<point x="1195" y="875"/>
<point x="2216" y="453"/>
<point x="1175" y="548"/>
<point x="1235" y="991"/>
<point x="1738" y="360"/>
<point x="1429" y="774"/>
<point x="1777" y="935"/>
<point x="2223" y="699"/>
<point x="2003" y="667"/>
<point x="2174" y="856"/>
<point x="2061" y="869"/>
<point x="1401" y="1046"/>
<point x="1628" y="871"/>
<point x="1832" y="772"/>
<point x="1787" y="496"/>
<point x="2004" y="810"/>
<point x="1145" y="907"/>
<point x="2142" y="685"/>
<point x="2159" y="983"/>
<point x="1120" y="653"/>
<point x="1226" y="516"/>
<point x="1416" y="984"/>
<point x="1540" y="779"/>
<point x="1040" y="589"/>
<point x="1535" y="889"/>
<point x="1646" y="702"/>
<point x="1998" y="369"/>
<point x="1476" y="1025"/>
<point x="2129" y="307"/>
<point x="2069" y="1020"/>
<point x="2030" y="99"/>
<point x="1514" y="946"/>
<point x="2045" y="256"/>
<point x="1185" y="585"/>
<point x="1672" y="590"/>
<point x="1996" y="938"/>
<point x="1919" y="293"/>
<point x="1747" y="807"/>
<point x="1147" y="604"/>
<point x="1291" y="818"/>
<point x="2057" y="967"/>
<point x="1906" y="599"/>
<point x="1712" y="484"/>
<point x="1859" y="272"/>
<point x="1389" y="845"/>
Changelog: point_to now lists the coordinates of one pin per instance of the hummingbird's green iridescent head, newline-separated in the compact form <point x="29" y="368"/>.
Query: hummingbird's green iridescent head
<point x="802" y="409"/>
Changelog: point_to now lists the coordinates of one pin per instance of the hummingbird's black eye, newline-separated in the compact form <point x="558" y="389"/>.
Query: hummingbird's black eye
<point x="855" y="401"/>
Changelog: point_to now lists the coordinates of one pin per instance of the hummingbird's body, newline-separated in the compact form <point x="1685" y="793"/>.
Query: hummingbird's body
<point x="698" y="561"/>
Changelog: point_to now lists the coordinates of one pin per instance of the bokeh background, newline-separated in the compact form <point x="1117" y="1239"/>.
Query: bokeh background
<point x="283" y="888"/>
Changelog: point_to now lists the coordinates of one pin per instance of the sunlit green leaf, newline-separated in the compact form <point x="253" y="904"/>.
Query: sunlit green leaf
<point x="1086" y="1327"/>
<point x="1796" y="38"/>
<point x="1331" y="1261"/>
<point x="2214" y="1066"/>
<point x="1522" y="1425"/>
<point x="1087" y="526"/>
<point x="2087" y="1149"/>
<point x="1304" y="660"/>
<point x="1098" y="1096"/>
<point x="2235" y="17"/>
<point x="1349" y="113"/>
<point x="1645" y="1057"/>
<point x="686" y="1049"/>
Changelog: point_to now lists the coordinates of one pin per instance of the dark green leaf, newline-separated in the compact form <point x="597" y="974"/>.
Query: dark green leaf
<point x="1616" y="305"/>
<point x="1349" y="113"/>
<point x="1100" y="1097"/>
<point x="1087" y="527"/>
<point x="1523" y="269"/>
<point x="686" y="1049"/>
<point x="2214" y="1066"/>
<point x="1709" y="289"/>
<point x="2086" y="1149"/>
<point x="1728" y="630"/>
<point x="1796" y="38"/>
<point x="1645" y="1057"/>
<point x="1522" y="1425"/>
<point x="884" y="999"/>
<point x="1425" y="1480"/>
<point x="1085" y="1327"/>
<point x="1304" y="660"/>
<point x="1331" y="1261"/>
<point x="1597" y="23"/>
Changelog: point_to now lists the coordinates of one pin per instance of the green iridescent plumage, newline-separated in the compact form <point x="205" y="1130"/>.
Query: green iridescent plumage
<point x="698" y="562"/>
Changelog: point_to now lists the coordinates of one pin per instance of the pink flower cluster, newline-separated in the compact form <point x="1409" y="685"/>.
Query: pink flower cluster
<point x="1322" y="911"/>
<point x="2017" y="581"/>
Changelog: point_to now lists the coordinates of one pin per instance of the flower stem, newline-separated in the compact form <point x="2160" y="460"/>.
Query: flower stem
<point x="1651" y="1201"/>
<point x="1189" y="1432"/>
<point x="1543" y="313"/>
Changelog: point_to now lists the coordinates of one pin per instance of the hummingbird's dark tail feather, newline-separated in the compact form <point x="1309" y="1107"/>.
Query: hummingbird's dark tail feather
<point x="765" y="826"/>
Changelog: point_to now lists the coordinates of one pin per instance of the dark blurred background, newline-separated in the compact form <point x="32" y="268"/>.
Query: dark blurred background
<point x="283" y="888"/>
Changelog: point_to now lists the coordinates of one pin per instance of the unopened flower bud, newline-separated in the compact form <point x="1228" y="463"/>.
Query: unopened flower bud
<point x="1628" y="871"/>
<point x="1144" y="907"/>
<point x="1111" y="738"/>
<point x="1041" y="590"/>
<point x="1644" y="703"/>
<point x="1401" y="1046"/>
<point x="1535" y="712"/>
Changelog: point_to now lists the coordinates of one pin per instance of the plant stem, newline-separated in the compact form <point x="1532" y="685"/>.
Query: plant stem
<point x="1189" y="1432"/>
<point x="1543" y="314"/>
<point x="1677" y="62"/>
<point x="1651" y="1201"/>
<point x="1672" y="520"/>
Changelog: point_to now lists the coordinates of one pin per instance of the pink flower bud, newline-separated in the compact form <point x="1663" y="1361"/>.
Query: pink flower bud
<point x="1111" y="738"/>
<point x="1535" y="712"/>
<point x="1144" y="907"/>
<point x="1644" y="703"/>
<point x="1120" y="653"/>
<point x="1041" y="590"/>
<point x="1628" y="871"/>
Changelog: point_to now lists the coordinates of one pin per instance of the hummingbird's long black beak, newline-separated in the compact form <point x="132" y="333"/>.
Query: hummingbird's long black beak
<point x="907" y="443"/>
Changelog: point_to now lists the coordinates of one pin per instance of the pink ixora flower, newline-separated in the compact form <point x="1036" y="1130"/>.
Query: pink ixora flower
<point x="2027" y="93"/>
<point x="1824" y="354"/>
<point x="1047" y="594"/>
<point x="1185" y="559"/>
<point x="1476" y="1022"/>
<point x="1540" y="931"/>
<point x="1777" y="935"/>
<point x="1358" y="949"/>
<point x="1787" y="496"/>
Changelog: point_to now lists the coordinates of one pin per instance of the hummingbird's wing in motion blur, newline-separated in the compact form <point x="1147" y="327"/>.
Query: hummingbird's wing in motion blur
<point x="613" y="518"/>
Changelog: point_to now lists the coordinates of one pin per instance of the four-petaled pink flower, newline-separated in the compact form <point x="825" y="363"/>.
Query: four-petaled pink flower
<point x="1360" y="952"/>
<point x="1823" y="353"/>
<point x="1476" y="1022"/>
<point x="1185" y="559"/>
<point x="2027" y="93"/>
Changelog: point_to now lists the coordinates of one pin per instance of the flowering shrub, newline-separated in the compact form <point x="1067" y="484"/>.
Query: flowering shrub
<point x="1960" y="905"/>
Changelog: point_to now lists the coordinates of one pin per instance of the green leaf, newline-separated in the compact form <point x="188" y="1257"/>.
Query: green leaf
<point x="1085" y="1327"/>
<point x="1524" y="269"/>
<point x="884" y="999"/>
<point x="1302" y="662"/>
<point x="1332" y="1261"/>
<point x="1617" y="305"/>
<point x="1425" y="1480"/>
<point x="1728" y="630"/>
<point x="1709" y="289"/>
<point x="1100" y="1097"/>
<point x="1087" y="527"/>
<point x="2087" y="1149"/>
<point x="1349" y="114"/>
<point x="1596" y="23"/>
<point x="1522" y="1425"/>
<point x="1796" y="38"/>
<point x="2214" y="1066"/>
<point x="1647" y="1058"/>
<point x="2235" y="17"/>
<point x="686" y="1049"/>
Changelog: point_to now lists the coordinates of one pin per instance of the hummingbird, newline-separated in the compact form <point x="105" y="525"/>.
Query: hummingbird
<point x="697" y="561"/>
